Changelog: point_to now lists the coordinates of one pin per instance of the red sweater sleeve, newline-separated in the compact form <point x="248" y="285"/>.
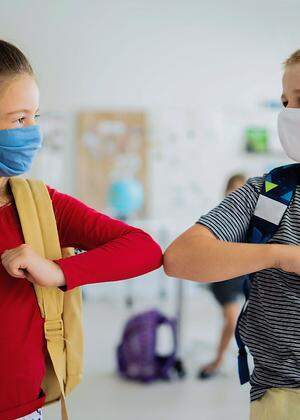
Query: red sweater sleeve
<point x="115" y="250"/>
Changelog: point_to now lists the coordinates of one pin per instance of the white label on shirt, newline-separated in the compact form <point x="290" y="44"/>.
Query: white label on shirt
<point x="269" y="209"/>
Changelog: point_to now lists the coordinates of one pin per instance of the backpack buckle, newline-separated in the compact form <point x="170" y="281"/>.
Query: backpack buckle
<point x="54" y="329"/>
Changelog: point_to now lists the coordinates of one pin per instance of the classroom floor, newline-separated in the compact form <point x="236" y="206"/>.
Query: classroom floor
<point x="103" y="396"/>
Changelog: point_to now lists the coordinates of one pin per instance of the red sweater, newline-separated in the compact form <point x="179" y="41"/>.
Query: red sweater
<point x="116" y="251"/>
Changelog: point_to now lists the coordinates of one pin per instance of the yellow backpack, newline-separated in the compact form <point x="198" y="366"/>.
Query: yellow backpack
<point x="62" y="311"/>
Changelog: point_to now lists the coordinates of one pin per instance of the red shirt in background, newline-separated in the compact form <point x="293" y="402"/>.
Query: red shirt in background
<point x="116" y="251"/>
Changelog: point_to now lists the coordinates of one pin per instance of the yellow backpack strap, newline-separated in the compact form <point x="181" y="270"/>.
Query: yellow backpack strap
<point x="28" y="213"/>
<point x="38" y="223"/>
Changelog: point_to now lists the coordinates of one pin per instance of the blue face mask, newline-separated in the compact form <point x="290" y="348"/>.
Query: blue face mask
<point x="18" y="147"/>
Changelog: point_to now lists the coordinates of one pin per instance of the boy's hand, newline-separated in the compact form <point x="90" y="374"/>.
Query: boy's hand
<point x="24" y="262"/>
<point x="287" y="258"/>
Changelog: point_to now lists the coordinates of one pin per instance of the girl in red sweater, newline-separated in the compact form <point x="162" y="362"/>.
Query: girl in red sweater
<point x="115" y="250"/>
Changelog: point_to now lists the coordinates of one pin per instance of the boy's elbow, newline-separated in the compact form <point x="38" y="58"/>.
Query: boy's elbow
<point x="177" y="262"/>
<point x="171" y="263"/>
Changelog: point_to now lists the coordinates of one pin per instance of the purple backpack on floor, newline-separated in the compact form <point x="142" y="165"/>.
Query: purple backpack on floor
<point x="136" y="354"/>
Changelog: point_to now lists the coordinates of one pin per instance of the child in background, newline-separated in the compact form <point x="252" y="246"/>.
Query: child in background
<point x="115" y="250"/>
<point x="215" y="248"/>
<point x="226" y="294"/>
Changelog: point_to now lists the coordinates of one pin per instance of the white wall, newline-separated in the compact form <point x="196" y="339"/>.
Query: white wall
<point x="209" y="57"/>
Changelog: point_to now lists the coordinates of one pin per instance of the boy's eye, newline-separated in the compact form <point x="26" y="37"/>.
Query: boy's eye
<point x="37" y="116"/>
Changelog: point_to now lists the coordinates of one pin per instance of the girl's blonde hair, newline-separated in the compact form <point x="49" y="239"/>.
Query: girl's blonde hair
<point x="292" y="59"/>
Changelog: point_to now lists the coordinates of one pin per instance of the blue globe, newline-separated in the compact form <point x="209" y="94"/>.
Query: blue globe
<point x="126" y="196"/>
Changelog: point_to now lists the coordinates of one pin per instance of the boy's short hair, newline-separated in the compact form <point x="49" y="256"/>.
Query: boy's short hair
<point x="292" y="59"/>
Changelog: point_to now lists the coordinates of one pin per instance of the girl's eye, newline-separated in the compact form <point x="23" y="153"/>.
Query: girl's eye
<point x="21" y="120"/>
<point x="37" y="116"/>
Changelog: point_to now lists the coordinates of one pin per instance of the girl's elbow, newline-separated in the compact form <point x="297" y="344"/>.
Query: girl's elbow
<point x="154" y="253"/>
<point x="157" y="255"/>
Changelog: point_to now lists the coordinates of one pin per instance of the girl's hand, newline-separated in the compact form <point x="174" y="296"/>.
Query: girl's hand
<point x="24" y="262"/>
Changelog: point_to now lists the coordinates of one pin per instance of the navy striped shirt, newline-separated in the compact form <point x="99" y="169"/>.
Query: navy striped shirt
<point x="270" y="326"/>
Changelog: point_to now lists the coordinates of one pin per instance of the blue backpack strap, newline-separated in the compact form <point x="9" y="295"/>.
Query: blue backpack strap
<point x="276" y="195"/>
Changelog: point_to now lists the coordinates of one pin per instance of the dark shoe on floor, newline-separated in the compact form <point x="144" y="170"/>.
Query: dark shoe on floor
<point x="206" y="373"/>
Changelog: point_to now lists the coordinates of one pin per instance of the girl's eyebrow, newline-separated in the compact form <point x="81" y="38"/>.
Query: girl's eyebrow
<point x="22" y="111"/>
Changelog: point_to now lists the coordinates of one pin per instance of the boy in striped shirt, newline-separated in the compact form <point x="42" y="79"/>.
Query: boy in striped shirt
<point x="215" y="249"/>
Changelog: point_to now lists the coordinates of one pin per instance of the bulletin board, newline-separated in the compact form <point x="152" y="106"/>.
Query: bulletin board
<point x="111" y="146"/>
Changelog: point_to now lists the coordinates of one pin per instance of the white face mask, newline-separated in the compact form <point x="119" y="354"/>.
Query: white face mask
<point x="289" y="132"/>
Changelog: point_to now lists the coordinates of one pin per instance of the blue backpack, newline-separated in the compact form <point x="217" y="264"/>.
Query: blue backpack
<point x="136" y="354"/>
<point x="277" y="193"/>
